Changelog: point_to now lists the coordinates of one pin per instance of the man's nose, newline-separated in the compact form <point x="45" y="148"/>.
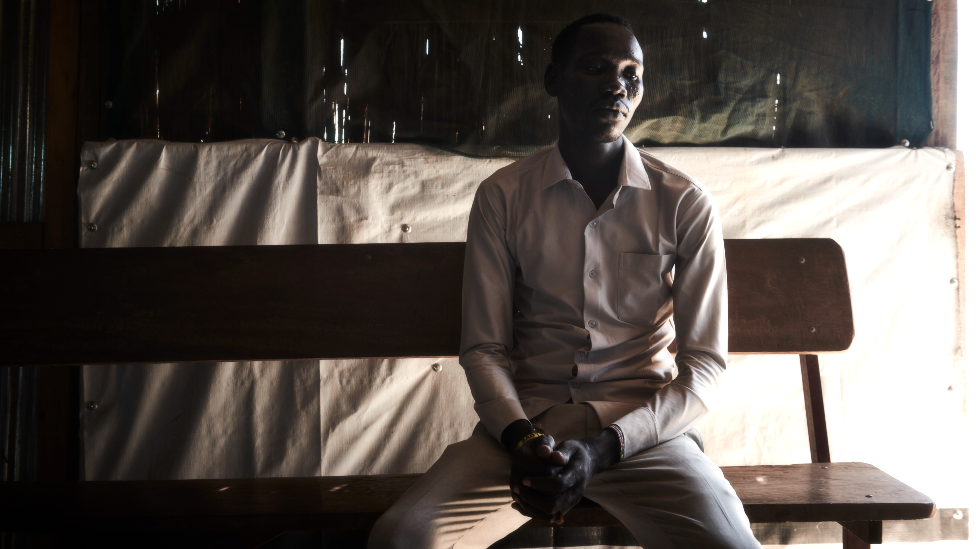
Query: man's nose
<point x="616" y="85"/>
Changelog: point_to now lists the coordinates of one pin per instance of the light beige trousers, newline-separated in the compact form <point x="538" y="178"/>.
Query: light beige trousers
<point x="669" y="496"/>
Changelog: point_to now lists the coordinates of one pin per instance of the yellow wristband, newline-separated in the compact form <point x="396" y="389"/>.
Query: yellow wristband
<point x="527" y="438"/>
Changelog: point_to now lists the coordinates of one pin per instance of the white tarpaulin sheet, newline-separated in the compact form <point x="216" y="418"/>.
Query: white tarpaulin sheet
<point x="896" y="399"/>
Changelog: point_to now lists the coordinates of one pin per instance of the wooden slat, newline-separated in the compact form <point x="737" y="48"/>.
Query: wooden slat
<point x="104" y="306"/>
<point x="231" y="303"/>
<point x="770" y="493"/>
<point x="813" y="492"/>
<point x="788" y="296"/>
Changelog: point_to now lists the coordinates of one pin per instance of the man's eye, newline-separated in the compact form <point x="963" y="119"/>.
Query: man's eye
<point x="633" y="77"/>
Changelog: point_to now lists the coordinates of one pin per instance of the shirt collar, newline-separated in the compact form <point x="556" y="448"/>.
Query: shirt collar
<point x="632" y="173"/>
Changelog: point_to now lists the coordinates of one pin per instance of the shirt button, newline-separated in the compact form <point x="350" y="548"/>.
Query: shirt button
<point x="592" y="274"/>
<point x="591" y="323"/>
<point x="583" y="353"/>
<point x="592" y="223"/>
<point x="576" y="384"/>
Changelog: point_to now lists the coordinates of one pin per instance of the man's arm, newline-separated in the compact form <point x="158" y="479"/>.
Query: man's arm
<point x="487" y="339"/>
<point x="487" y="313"/>
<point x="701" y="322"/>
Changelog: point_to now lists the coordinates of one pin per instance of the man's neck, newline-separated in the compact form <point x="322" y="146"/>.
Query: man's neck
<point x="595" y="165"/>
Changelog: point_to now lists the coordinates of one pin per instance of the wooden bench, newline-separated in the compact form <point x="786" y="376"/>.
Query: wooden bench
<point x="146" y="305"/>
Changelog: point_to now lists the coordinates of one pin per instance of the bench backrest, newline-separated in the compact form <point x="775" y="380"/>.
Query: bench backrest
<point x="145" y="305"/>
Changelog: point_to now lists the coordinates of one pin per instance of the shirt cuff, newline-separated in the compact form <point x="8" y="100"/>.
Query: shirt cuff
<point x="640" y="431"/>
<point x="499" y="413"/>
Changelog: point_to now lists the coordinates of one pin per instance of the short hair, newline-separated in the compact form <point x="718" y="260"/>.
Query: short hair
<point x="565" y="41"/>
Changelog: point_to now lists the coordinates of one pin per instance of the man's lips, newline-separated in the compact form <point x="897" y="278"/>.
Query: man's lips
<point x="613" y="113"/>
<point x="612" y="109"/>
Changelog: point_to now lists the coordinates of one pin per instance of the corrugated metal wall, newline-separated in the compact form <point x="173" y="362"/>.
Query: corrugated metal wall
<point x="23" y="123"/>
<point x="23" y="95"/>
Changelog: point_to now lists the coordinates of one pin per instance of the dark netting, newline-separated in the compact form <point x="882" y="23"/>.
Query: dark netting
<point x="466" y="75"/>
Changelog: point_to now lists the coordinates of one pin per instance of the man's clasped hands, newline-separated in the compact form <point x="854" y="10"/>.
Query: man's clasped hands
<point x="548" y="480"/>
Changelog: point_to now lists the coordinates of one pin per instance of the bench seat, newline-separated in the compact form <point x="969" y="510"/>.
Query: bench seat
<point x="770" y="493"/>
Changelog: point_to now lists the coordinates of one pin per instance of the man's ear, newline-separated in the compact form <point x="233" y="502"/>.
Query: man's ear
<point x="553" y="79"/>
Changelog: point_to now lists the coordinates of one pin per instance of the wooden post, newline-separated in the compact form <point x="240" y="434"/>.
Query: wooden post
<point x="861" y="534"/>
<point x="61" y="163"/>
<point x="816" y="417"/>
<point x="850" y="541"/>
<point x="57" y="452"/>
<point x="945" y="40"/>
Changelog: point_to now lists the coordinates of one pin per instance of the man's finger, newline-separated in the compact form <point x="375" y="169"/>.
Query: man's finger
<point x="520" y="509"/>
<point x="523" y="512"/>
<point x="528" y="510"/>
<point x="554" y="484"/>
<point x="548" y="504"/>
<point x="543" y="451"/>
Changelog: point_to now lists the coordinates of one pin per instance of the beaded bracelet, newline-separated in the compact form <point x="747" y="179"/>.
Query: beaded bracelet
<point x="620" y="435"/>
<point x="528" y="437"/>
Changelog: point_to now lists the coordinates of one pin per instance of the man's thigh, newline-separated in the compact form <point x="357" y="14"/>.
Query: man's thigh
<point x="462" y="501"/>
<point x="673" y="496"/>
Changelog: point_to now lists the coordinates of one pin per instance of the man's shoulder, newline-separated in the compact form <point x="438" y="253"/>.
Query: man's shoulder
<point x="670" y="176"/>
<point x="525" y="169"/>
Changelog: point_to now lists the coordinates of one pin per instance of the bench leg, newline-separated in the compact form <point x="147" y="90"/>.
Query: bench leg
<point x="853" y="542"/>
<point x="860" y="535"/>
<point x="814" y="400"/>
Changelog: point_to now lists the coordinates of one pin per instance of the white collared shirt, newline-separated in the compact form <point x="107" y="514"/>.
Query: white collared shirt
<point x="550" y="283"/>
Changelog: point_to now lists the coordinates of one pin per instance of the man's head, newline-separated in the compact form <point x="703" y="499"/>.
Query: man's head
<point x="597" y="75"/>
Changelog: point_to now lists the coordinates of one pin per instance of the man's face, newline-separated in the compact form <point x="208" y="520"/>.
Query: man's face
<point x="601" y="83"/>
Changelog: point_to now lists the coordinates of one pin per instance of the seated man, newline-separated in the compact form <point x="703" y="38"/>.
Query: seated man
<point x="569" y="307"/>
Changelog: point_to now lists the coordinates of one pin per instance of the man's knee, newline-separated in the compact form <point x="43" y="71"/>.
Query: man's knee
<point x="734" y="533"/>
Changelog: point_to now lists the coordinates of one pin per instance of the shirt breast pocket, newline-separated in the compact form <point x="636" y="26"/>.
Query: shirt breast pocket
<point x="643" y="288"/>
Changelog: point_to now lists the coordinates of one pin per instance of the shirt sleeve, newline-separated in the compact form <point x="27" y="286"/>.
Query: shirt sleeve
<point x="487" y="315"/>
<point x="700" y="295"/>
